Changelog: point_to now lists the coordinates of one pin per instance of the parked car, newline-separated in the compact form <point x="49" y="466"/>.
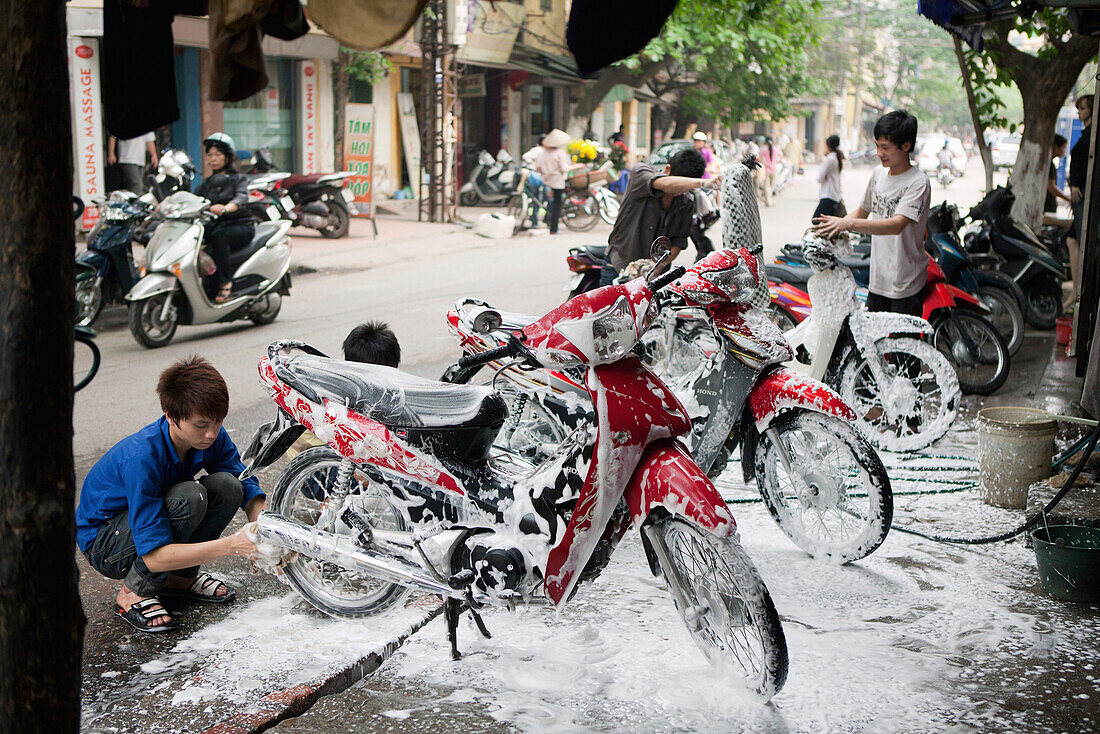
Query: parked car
<point x="928" y="153"/>
<point x="659" y="158"/>
<point x="1004" y="151"/>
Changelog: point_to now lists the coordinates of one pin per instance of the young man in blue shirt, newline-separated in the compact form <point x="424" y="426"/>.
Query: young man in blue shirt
<point x="143" y="517"/>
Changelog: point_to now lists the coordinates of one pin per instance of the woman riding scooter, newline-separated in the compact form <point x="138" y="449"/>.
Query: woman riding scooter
<point x="228" y="191"/>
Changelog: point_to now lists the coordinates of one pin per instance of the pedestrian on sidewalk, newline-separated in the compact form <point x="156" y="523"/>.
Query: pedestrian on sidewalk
<point x="830" y="191"/>
<point x="129" y="154"/>
<point x="770" y="157"/>
<point x="144" y="518"/>
<point x="1078" y="176"/>
<point x="894" y="212"/>
<point x="552" y="164"/>
<point x="655" y="204"/>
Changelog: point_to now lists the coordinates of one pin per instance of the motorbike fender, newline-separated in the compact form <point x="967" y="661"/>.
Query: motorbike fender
<point x="997" y="279"/>
<point x="89" y="264"/>
<point x="668" y="482"/>
<point x="151" y="285"/>
<point x="868" y="327"/>
<point x="941" y="295"/>
<point x="784" y="388"/>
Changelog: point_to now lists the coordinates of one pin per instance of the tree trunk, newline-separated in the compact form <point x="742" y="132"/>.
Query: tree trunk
<point x="41" y="622"/>
<point x="1044" y="85"/>
<point x="609" y="79"/>
<point x="979" y="128"/>
<point x="341" y="94"/>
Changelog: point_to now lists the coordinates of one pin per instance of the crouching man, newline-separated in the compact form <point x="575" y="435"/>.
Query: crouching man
<point x="145" y="519"/>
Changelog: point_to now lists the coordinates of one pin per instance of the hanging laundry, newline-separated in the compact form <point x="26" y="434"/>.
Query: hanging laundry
<point x="366" y="24"/>
<point x="139" y="80"/>
<point x="601" y="32"/>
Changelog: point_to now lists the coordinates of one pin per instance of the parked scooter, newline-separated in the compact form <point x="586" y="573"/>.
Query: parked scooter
<point x="408" y="494"/>
<point x="1038" y="273"/>
<point x="492" y="181"/>
<point x="171" y="290"/>
<point x="586" y="264"/>
<point x="105" y="270"/>
<point x="723" y="360"/>
<point x="175" y="172"/>
<point x="319" y="201"/>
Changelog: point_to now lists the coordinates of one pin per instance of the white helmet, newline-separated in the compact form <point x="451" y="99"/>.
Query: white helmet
<point x="222" y="141"/>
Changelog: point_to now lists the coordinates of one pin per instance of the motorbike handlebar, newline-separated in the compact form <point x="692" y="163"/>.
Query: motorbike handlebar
<point x="472" y="360"/>
<point x="662" y="280"/>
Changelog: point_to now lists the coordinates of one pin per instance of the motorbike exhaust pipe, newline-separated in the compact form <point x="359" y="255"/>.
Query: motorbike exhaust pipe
<point x="341" y="550"/>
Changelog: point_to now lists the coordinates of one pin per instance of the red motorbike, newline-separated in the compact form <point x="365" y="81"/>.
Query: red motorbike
<point x="406" y="493"/>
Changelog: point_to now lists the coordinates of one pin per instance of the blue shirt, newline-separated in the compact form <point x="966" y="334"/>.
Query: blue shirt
<point x="136" y="473"/>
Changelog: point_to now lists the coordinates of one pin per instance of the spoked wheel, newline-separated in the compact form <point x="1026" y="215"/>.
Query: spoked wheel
<point x="303" y="493"/>
<point x="516" y="209"/>
<point x="531" y="430"/>
<point x="835" y="501"/>
<point x="89" y="298"/>
<point x="975" y="349"/>
<point x="1005" y="314"/>
<point x="730" y="613"/>
<point x="151" y="323"/>
<point x="918" y="404"/>
<point x="1044" y="304"/>
<point x="675" y="358"/>
<point x="580" y="212"/>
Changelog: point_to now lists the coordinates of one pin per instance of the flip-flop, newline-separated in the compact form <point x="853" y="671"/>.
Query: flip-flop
<point x="204" y="588"/>
<point x="224" y="293"/>
<point x="141" y="614"/>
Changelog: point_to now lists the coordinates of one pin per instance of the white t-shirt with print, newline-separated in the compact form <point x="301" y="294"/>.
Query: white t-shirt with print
<point x="898" y="262"/>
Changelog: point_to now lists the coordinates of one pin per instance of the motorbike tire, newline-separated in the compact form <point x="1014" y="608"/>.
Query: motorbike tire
<point x="270" y="312"/>
<point x="580" y="217"/>
<point x="145" y="322"/>
<point x="85" y="359"/>
<point x="975" y="349"/>
<point x="744" y="636"/>
<point x="1044" y="303"/>
<point x="89" y="300"/>
<point x="468" y="198"/>
<point x="516" y="209"/>
<point x="300" y="494"/>
<point x="1006" y="315"/>
<point x="927" y="411"/>
<point x="339" y="221"/>
<point x="841" y="505"/>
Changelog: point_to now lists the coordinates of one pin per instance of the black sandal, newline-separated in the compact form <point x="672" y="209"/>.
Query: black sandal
<point x="141" y="614"/>
<point x="204" y="588"/>
<point x="224" y="293"/>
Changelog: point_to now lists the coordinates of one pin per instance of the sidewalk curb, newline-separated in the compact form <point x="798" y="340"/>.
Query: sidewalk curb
<point x="296" y="700"/>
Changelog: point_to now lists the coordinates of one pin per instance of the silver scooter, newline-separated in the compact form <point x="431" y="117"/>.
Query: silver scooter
<point x="171" y="291"/>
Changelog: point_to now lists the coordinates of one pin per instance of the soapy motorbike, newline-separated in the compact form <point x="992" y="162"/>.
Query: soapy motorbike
<point x="409" y="493"/>
<point x="171" y="290"/>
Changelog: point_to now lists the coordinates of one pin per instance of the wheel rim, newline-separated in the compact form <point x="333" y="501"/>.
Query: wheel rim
<point x="88" y="299"/>
<point x="156" y="327"/>
<point x="828" y="507"/>
<point x="530" y="429"/>
<point x="304" y="499"/>
<point x="272" y="303"/>
<point x="722" y="618"/>
<point x="972" y="349"/>
<point x="924" y="397"/>
<point x="1002" y="317"/>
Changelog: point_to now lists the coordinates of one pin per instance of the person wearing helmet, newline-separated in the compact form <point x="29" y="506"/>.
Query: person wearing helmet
<point x="227" y="191"/>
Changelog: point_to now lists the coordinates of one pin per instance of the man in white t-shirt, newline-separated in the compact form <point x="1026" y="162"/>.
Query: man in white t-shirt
<point x="894" y="212"/>
<point x="129" y="153"/>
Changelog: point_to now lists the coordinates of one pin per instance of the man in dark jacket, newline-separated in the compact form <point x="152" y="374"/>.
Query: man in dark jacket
<point x="1078" y="176"/>
<point x="655" y="204"/>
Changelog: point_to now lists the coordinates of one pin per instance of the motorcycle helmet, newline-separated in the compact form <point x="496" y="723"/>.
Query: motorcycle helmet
<point x="223" y="142"/>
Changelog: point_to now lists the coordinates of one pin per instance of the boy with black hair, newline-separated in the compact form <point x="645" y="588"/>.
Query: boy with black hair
<point x="894" y="212"/>
<point x="372" y="343"/>
<point x="143" y="517"/>
<point x="655" y="204"/>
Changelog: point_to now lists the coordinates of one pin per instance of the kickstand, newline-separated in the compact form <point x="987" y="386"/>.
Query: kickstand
<point x="477" y="617"/>
<point x="451" y="610"/>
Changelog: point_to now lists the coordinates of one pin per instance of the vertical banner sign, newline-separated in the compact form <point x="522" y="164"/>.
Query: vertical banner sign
<point x="359" y="155"/>
<point x="87" y="124"/>
<point x="307" y="83"/>
<point x="410" y="139"/>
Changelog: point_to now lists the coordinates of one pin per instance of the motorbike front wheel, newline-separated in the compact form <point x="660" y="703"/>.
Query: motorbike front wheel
<point x="467" y="198"/>
<point x="835" y="502"/>
<point x="89" y="299"/>
<point x="338" y="221"/>
<point x="149" y="323"/>
<point x="609" y="208"/>
<point x="730" y="613"/>
<point x="580" y="212"/>
<point x="1006" y="315"/>
<point x="302" y="494"/>
<point x="975" y="349"/>
<point x="918" y="404"/>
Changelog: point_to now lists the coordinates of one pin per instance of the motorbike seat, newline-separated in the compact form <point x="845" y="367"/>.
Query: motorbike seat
<point x="596" y="252"/>
<point x="515" y="321"/>
<point x="792" y="274"/>
<point x="264" y="232"/>
<point x="392" y="397"/>
<point x="301" y="178"/>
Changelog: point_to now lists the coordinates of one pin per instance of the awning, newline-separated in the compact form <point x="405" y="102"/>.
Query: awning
<point x="544" y="64"/>
<point x="947" y="14"/>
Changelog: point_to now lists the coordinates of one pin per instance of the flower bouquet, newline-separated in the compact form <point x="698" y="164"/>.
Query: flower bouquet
<point x="584" y="151"/>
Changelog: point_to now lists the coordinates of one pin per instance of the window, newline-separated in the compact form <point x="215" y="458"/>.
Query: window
<point x="266" y="119"/>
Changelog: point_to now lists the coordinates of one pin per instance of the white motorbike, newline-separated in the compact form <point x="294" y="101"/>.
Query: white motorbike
<point x="904" y="392"/>
<point x="171" y="290"/>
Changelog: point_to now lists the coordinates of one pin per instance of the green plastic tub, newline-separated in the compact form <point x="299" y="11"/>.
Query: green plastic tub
<point x="1069" y="561"/>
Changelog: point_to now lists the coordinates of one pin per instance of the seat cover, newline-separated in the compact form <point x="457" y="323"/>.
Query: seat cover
<point x="264" y="232"/>
<point x="597" y="252"/>
<point x="300" y="178"/>
<point x="392" y="397"/>
<point x="788" y="274"/>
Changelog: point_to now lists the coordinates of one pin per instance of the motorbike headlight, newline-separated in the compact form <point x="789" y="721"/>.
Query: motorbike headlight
<point x="738" y="282"/>
<point x="613" y="333"/>
<point x="701" y="297"/>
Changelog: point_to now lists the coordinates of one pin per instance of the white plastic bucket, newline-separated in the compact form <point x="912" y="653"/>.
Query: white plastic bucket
<point x="1015" y="446"/>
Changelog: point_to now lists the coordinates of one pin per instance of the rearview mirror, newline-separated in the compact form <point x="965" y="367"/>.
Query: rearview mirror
<point x="486" y="322"/>
<point x="659" y="248"/>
